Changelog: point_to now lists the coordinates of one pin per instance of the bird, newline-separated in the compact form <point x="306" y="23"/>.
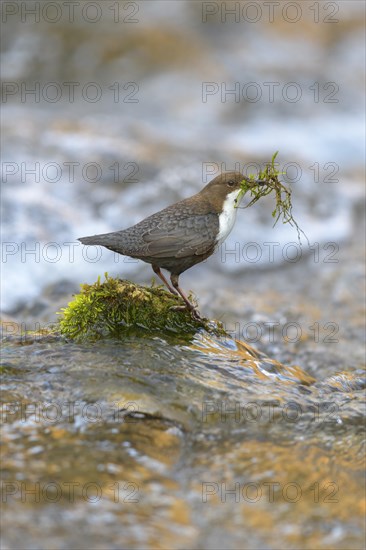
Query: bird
<point x="181" y="235"/>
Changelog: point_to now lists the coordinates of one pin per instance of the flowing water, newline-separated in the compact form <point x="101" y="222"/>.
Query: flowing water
<point x="256" y="440"/>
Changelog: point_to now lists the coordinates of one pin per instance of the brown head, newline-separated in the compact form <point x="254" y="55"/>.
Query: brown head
<point x="220" y="187"/>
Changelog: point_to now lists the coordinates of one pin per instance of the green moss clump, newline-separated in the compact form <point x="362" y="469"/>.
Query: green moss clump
<point x="115" y="308"/>
<point x="267" y="183"/>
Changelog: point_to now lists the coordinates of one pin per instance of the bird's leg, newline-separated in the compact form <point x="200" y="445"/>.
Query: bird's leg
<point x="174" y="280"/>
<point x="161" y="276"/>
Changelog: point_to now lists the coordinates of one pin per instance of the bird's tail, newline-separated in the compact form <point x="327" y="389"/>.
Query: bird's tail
<point x="95" y="239"/>
<point x="112" y="241"/>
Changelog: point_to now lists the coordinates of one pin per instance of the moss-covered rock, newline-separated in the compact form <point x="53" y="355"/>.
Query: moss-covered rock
<point x="118" y="307"/>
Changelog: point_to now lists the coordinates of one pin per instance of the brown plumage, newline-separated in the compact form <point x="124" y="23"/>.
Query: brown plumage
<point x="179" y="236"/>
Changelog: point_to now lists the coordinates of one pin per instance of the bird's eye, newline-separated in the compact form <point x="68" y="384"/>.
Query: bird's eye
<point x="231" y="183"/>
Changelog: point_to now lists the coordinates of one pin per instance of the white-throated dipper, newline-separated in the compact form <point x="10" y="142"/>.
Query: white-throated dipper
<point x="181" y="235"/>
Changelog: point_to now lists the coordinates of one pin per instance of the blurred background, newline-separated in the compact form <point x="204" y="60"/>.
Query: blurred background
<point x="112" y="110"/>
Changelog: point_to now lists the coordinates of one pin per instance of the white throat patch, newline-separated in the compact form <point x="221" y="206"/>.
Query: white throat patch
<point x="228" y="216"/>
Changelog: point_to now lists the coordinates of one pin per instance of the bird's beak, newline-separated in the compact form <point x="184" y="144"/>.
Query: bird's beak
<point x="253" y="183"/>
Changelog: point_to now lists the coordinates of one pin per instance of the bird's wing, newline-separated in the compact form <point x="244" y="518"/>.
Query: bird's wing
<point x="193" y="235"/>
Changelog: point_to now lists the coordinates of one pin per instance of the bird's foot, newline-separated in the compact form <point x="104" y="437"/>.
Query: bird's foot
<point x="195" y="313"/>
